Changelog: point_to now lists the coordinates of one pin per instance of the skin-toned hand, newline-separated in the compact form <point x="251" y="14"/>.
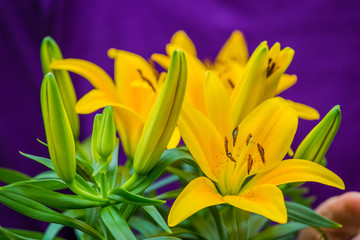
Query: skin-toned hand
<point x="343" y="209"/>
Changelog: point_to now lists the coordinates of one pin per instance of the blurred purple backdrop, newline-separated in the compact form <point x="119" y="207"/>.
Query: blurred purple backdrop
<point x="325" y="36"/>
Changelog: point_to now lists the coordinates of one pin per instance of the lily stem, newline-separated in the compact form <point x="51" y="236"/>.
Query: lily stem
<point x="103" y="185"/>
<point x="219" y="222"/>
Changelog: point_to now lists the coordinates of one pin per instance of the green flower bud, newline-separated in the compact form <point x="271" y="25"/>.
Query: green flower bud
<point x="104" y="135"/>
<point x="162" y="119"/>
<point x="318" y="141"/>
<point x="50" y="52"/>
<point x="59" y="136"/>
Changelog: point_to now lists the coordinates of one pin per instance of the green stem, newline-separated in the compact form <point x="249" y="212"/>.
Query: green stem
<point x="84" y="194"/>
<point x="219" y="222"/>
<point x="241" y="219"/>
<point x="103" y="185"/>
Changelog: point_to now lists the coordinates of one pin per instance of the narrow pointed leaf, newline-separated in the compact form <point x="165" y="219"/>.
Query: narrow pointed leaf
<point x="279" y="231"/>
<point x="154" y="213"/>
<point x="9" y="176"/>
<point x="306" y="215"/>
<point x="116" y="224"/>
<point x="122" y="195"/>
<point x="38" y="211"/>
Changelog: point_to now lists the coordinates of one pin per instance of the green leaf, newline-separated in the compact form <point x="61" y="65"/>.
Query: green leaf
<point x="154" y="213"/>
<point x="49" y="184"/>
<point x="163" y="238"/>
<point x="122" y="195"/>
<point x="38" y="211"/>
<point x="256" y="223"/>
<point x="51" y="198"/>
<point x="162" y="182"/>
<point x="169" y="195"/>
<point x="143" y="226"/>
<point x="53" y="229"/>
<point x="44" y="161"/>
<point x="279" y="231"/>
<point x="6" y="234"/>
<point x="116" y="224"/>
<point x="306" y="215"/>
<point x="185" y="176"/>
<point x="9" y="176"/>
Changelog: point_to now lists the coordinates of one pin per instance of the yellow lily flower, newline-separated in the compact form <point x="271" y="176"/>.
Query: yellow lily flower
<point x="229" y="157"/>
<point x="235" y="69"/>
<point x="132" y="94"/>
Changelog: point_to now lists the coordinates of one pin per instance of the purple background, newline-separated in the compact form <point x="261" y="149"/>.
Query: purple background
<point x="324" y="34"/>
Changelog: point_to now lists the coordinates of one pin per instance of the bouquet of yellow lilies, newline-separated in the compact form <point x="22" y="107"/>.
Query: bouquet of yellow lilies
<point x="229" y="174"/>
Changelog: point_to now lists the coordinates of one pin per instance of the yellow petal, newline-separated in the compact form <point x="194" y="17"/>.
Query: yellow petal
<point x="175" y="139"/>
<point x="196" y="79"/>
<point x="93" y="73"/>
<point x="296" y="170"/>
<point x="130" y="68"/>
<point x="234" y="49"/>
<point x="286" y="81"/>
<point x="266" y="200"/>
<point x="130" y="126"/>
<point x="162" y="60"/>
<point x="92" y="101"/>
<point x="273" y="125"/>
<point x="304" y="111"/>
<point x="218" y="104"/>
<point x="198" y="194"/>
<point x="248" y="93"/>
<point x="182" y="40"/>
<point x="203" y="141"/>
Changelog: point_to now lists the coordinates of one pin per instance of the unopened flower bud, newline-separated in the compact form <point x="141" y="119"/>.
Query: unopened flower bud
<point x="58" y="131"/>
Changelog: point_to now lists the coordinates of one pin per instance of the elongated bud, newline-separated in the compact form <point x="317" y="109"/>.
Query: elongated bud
<point x="58" y="131"/>
<point x="50" y="52"/>
<point x="104" y="135"/>
<point x="162" y="119"/>
<point x="318" y="141"/>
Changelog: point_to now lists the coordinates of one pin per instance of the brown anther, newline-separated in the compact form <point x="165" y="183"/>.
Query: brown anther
<point x="232" y="85"/>
<point x="226" y="146"/>
<point x="249" y="163"/>
<point x="249" y="137"/>
<point x="234" y="135"/>
<point x="151" y="62"/>
<point x="146" y="80"/>
<point x="261" y="152"/>
<point x="229" y="155"/>
<point x="270" y="69"/>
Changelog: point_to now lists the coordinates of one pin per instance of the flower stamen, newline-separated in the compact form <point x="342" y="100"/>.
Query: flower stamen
<point x="250" y="162"/>
<point x="234" y="135"/>
<point x="261" y="152"/>
<point x="146" y="80"/>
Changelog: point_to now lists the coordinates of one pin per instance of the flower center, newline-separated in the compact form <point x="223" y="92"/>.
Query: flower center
<point x="240" y="162"/>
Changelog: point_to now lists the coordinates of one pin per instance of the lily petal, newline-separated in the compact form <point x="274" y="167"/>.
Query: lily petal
<point x="196" y="79"/>
<point x="203" y="141"/>
<point x="286" y="81"/>
<point x="304" y="111"/>
<point x="175" y="139"/>
<point x="93" y="73"/>
<point x="162" y="60"/>
<point x="198" y="194"/>
<point x="266" y="200"/>
<point x="273" y="125"/>
<point x="296" y="170"/>
<point x="234" y="49"/>
<point x="130" y="126"/>
<point x="182" y="40"/>
<point x="92" y="101"/>
<point x="218" y="104"/>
